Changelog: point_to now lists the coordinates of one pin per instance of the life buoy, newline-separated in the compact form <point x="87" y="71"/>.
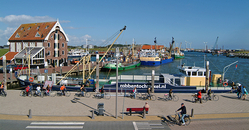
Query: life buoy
<point x="225" y="84"/>
<point x="31" y="79"/>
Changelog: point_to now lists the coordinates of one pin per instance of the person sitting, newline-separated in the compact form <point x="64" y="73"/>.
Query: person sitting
<point x="146" y="106"/>
<point x="63" y="88"/>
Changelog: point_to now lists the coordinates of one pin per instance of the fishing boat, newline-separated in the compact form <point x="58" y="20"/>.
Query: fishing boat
<point x="177" y="54"/>
<point x="155" y="55"/>
<point x="190" y="79"/>
<point x="121" y="66"/>
<point x="77" y="53"/>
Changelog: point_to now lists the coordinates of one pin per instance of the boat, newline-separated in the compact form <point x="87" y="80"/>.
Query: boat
<point x="156" y="55"/>
<point x="76" y="53"/>
<point x="121" y="66"/>
<point x="177" y="54"/>
<point x="190" y="79"/>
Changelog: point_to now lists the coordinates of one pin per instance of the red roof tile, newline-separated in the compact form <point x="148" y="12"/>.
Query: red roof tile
<point x="152" y="46"/>
<point x="9" y="55"/>
<point x="29" y="31"/>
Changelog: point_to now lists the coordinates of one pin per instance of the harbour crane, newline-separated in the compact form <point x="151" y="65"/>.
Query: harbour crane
<point x="216" y="44"/>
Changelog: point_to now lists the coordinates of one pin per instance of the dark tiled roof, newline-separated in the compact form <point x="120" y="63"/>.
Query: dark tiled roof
<point x="29" y="31"/>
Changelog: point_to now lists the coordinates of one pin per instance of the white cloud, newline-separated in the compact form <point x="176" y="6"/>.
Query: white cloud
<point x="5" y="35"/>
<point x="17" y="20"/>
<point x="74" y="40"/>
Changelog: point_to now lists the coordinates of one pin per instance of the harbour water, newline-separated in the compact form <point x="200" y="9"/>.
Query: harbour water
<point x="216" y="65"/>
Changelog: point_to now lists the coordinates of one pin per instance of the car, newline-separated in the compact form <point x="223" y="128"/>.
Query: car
<point x="8" y="68"/>
<point x="20" y="67"/>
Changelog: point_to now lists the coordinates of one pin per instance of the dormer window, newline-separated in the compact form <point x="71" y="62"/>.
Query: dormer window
<point x="22" y="28"/>
<point x="38" y="27"/>
<point x="29" y="28"/>
<point x="37" y="35"/>
<point x="17" y="35"/>
<point x="46" y="27"/>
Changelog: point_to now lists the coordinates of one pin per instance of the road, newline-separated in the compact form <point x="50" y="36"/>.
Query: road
<point x="225" y="124"/>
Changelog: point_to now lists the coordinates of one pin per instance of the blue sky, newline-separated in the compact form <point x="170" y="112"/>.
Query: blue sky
<point x="188" y="21"/>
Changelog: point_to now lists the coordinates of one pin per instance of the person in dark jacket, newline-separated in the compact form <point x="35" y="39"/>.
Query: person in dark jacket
<point x="183" y="113"/>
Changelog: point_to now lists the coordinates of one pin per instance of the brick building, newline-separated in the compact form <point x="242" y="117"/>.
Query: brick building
<point x="45" y="42"/>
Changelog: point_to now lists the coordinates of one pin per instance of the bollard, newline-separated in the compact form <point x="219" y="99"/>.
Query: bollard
<point x="30" y="114"/>
<point x="92" y="114"/>
<point x="192" y="112"/>
<point x="144" y="113"/>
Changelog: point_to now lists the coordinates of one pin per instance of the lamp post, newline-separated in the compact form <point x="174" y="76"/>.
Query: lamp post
<point x="117" y="56"/>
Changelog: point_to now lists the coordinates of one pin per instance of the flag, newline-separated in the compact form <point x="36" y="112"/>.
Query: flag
<point x="236" y="67"/>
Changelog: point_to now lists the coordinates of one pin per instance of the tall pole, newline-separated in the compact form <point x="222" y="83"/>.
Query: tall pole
<point x="4" y="70"/>
<point x="152" y="80"/>
<point x="207" y="76"/>
<point x="97" y="73"/>
<point x="83" y="69"/>
<point x="117" y="56"/>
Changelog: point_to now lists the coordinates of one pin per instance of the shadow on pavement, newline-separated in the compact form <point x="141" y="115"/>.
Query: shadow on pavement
<point x="76" y="100"/>
<point x="232" y="97"/>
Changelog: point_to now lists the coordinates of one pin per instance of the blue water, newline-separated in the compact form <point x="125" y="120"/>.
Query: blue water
<point x="216" y="65"/>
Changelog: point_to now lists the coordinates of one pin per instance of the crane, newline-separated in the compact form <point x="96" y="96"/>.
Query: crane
<point x="216" y="45"/>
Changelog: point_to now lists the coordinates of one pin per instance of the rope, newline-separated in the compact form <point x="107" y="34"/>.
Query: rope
<point x="214" y="65"/>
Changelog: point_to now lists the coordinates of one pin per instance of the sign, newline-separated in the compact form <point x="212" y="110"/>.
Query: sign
<point x="117" y="52"/>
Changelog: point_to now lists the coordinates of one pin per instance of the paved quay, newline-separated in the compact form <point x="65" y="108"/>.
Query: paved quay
<point x="14" y="107"/>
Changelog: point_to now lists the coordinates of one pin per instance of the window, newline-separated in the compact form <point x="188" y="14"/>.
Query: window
<point x="38" y="27"/>
<point x="48" y="53"/>
<point x="22" y="28"/>
<point x="62" y="52"/>
<point x="62" y="45"/>
<point x="32" y="44"/>
<point x="194" y="73"/>
<point x="46" y="27"/>
<point x="29" y="28"/>
<point x="48" y="44"/>
<point x="189" y="73"/>
<point x="17" y="35"/>
<point x="37" y="34"/>
<point x="200" y="73"/>
<point x="51" y="36"/>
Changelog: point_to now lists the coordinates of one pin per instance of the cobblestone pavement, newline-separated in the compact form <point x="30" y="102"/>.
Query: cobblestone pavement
<point x="13" y="104"/>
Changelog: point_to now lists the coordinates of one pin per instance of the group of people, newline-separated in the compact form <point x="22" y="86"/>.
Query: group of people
<point x="29" y="88"/>
<point x="241" y="92"/>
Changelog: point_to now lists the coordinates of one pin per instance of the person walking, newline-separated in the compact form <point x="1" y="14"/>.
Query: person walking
<point x="82" y="89"/>
<point x="239" y="91"/>
<point x="244" y="93"/>
<point x="134" y="92"/>
<point x="63" y="88"/>
<point x="183" y="113"/>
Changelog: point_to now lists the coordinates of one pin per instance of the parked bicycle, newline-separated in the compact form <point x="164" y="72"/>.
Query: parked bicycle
<point x="49" y="93"/>
<point x="24" y="93"/>
<point x="172" y="98"/>
<point x="36" y="93"/>
<point x="138" y="95"/>
<point x="195" y="99"/>
<point x="79" y="94"/>
<point x="212" y="97"/>
<point x="104" y="95"/>
<point x="3" y="93"/>
<point x="146" y="96"/>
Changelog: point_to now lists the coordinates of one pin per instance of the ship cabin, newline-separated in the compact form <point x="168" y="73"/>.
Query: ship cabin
<point x="189" y="76"/>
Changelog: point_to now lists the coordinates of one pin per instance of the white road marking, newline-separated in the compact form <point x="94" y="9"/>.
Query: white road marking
<point x="57" y="123"/>
<point x="54" y="127"/>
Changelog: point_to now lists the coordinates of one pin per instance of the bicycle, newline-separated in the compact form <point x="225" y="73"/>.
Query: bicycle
<point x="3" y="93"/>
<point x="66" y="93"/>
<point x="36" y="93"/>
<point x="49" y="93"/>
<point x="86" y="94"/>
<point x="23" y="93"/>
<point x="99" y="96"/>
<point x="213" y="97"/>
<point x="195" y="99"/>
<point x="147" y="97"/>
<point x="138" y="95"/>
<point x="173" y="98"/>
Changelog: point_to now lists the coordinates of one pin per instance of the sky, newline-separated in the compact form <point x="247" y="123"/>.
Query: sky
<point x="194" y="23"/>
